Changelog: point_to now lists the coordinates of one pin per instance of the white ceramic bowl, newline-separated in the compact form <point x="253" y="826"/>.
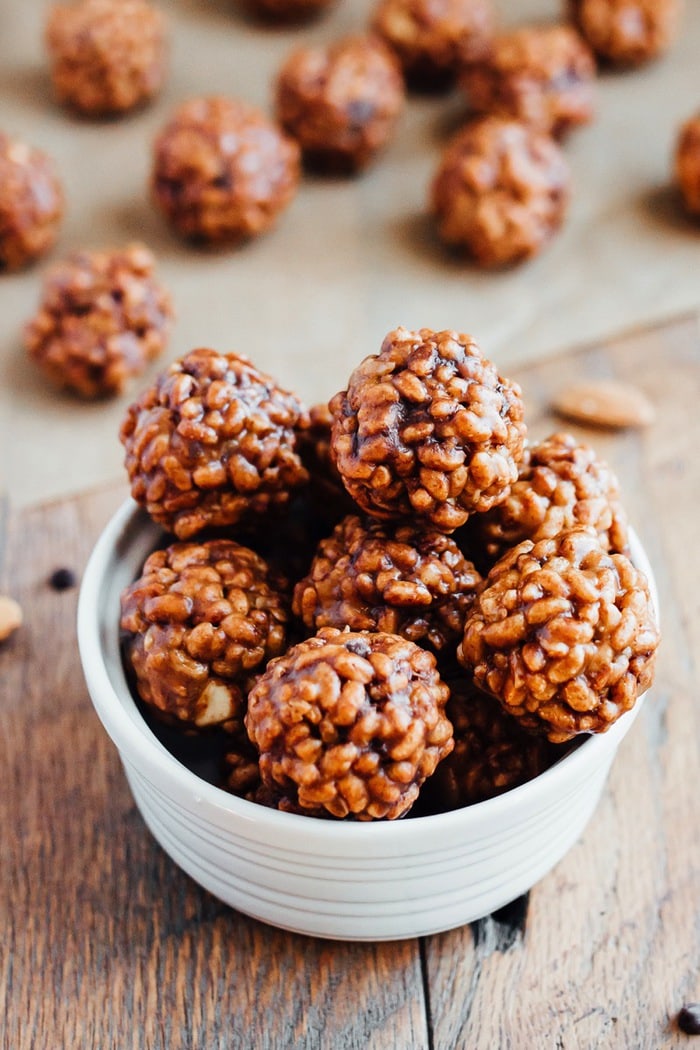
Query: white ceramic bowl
<point x="352" y="881"/>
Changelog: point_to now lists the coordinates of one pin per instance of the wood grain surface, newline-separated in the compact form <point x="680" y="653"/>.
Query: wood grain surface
<point x="106" y="944"/>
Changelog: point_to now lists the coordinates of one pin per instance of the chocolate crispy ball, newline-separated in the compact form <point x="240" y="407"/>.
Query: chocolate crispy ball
<point x="212" y="442"/>
<point x="288" y="10"/>
<point x="563" y="634"/>
<point x="427" y="429"/>
<point x="241" y="771"/>
<point x="501" y="191"/>
<point x="492" y="752"/>
<point x="202" y="620"/>
<point x="102" y="318"/>
<point x="340" y="102"/>
<point x="31" y="203"/>
<point x="542" y="75"/>
<point x="223" y="172"/>
<point x="350" y="722"/>
<point x="561" y="484"/>
<point x="688" y="164"/>
<point x="627" y="32"/>
<point x="107" y="56"/>
<point x="400" y="580"/>
<point x="435" y="40"/>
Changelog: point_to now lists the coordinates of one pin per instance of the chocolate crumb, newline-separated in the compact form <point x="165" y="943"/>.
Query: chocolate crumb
<point x="689" y="1019"/>
<point x="62" y="579"/>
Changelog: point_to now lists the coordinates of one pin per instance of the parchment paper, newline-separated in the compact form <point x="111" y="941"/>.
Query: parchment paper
<point x="350" y="259"/>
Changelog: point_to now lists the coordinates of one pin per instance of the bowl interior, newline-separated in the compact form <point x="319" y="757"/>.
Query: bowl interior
<point x="116" y="560"/>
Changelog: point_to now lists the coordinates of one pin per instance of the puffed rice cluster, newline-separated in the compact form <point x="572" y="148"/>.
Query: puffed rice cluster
<point x="390" y="669"/>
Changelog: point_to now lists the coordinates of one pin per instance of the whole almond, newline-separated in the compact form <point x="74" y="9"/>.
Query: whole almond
<point x="10" y="616"/>
<point x="605" y="403"/>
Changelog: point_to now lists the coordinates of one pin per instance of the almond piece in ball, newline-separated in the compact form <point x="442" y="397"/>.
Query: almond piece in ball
<point x="200" y="622"/>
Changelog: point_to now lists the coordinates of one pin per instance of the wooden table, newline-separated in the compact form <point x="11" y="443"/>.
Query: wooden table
<point x="107" y="944"/>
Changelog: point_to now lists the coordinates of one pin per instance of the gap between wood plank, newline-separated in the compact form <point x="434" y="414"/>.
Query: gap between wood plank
<point x="425" y="978"/>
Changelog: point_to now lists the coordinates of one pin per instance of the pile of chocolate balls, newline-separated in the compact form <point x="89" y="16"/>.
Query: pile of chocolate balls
<point x="392" y="599"/>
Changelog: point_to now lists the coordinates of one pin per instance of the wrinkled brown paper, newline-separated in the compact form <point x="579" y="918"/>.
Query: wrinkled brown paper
<point x="350" y="259"/>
